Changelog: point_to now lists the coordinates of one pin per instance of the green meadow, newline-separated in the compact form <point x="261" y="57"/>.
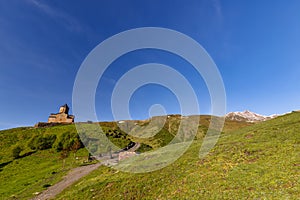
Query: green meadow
<point x="261" y="161"/>
<point x="249" y="161"/>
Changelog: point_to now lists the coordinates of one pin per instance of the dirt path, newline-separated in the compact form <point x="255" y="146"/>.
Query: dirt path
<point x="135" y="147"/>
<point x="73" y="176"/>
<point x="76" y="174"/>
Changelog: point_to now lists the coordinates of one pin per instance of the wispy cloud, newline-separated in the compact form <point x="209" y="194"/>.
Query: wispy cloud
<point x="67" y="20"/>
<point x="218" y="8"/>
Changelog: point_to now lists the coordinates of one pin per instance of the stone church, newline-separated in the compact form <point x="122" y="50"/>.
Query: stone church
<point x="62" y="116"/>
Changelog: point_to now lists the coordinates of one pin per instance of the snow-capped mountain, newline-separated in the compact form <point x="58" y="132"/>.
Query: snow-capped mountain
<point x="248" y="116"/>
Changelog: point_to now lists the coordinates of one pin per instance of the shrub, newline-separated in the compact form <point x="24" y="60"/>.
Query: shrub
<point x="67" y="141"/>
<point x="46" y="142"/>
<point x="144" y="148"/>
<point x="16" y="150"/>
<point x="46" y="185"/>
<point x="40" y="142"/>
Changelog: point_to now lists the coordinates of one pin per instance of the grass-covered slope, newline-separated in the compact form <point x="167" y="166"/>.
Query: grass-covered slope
<point x="31" y="159"/>
<point x="257" y="162"/>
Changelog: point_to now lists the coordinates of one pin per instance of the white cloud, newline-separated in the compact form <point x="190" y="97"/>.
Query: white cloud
<point x="218" y="8"/>
<point x="67" y="20"/>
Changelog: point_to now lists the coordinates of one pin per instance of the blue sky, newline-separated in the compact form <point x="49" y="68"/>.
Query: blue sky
<point x="255" y="45"/>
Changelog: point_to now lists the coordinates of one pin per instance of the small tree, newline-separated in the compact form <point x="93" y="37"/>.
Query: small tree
<point x="63" y="155"/>
<point x="76" y="144"/>
<point x="62" y="142"/>
<point x="16" y="150"/>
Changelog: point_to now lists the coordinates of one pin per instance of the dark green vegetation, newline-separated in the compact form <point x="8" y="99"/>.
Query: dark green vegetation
<point x="32" y="159"/>
<point x="261" y="161"/>
<point x="257" y="161"/>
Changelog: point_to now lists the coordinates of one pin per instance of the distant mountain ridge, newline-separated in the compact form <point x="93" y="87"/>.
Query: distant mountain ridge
<point x="248" y="116"/>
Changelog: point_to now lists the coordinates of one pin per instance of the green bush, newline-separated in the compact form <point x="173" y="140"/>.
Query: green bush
<point x="46" y="185"/>
<point x="41" y="142"/>
<point x="67" y="141"/>
<point x="16" y="150"/>
<point x="144" y="148"/>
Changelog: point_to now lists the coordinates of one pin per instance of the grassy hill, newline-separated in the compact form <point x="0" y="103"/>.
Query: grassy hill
<point x="35" y="165"/>
<point x="256" y="162"/>
<point x="32" y="159"/>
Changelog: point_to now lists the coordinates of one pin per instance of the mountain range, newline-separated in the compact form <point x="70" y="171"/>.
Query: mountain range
<point x="248" y="116"/>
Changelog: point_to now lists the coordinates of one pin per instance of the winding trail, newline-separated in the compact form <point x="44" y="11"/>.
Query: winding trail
<point x="76" y="174"/>
<point x="135" y="147"/>
<point x="73" y="176"/>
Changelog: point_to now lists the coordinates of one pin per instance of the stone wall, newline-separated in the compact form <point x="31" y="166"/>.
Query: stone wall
<point x="60" y="118"/>
<point x="126" y="154"/>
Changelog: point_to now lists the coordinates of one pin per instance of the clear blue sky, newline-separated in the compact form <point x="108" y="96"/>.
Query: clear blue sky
<point x="255" y="44"/>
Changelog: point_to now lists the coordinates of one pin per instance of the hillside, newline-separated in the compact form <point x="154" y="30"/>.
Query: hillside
<point x="256" y="162"/>
<point x="44" y="155"/>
